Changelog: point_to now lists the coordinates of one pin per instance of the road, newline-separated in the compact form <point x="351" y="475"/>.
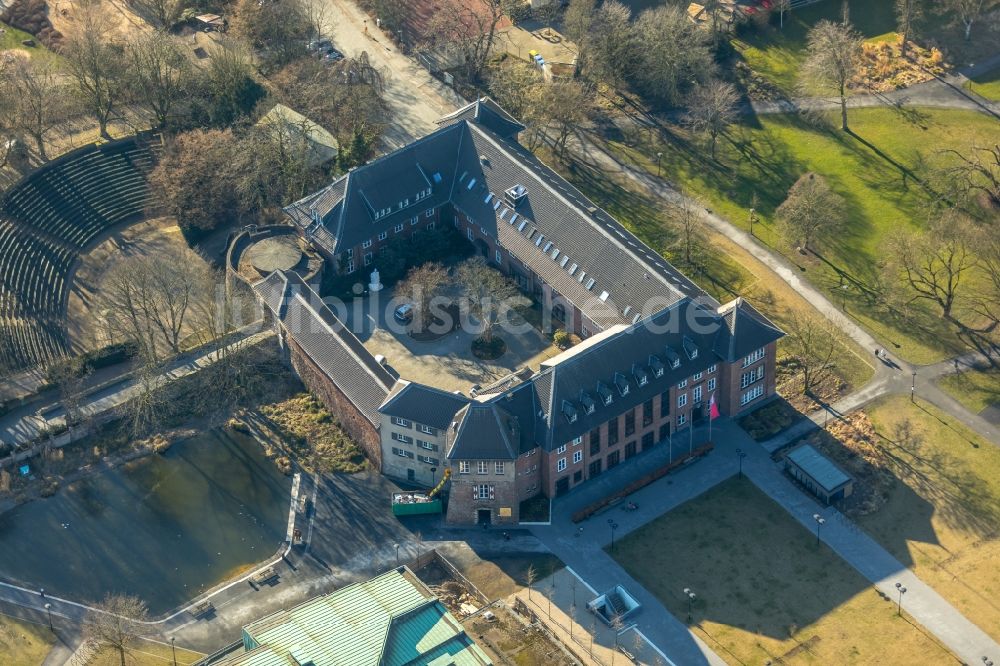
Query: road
<point x="415" y="97"/>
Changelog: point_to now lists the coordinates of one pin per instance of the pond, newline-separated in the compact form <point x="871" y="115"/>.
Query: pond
<point x="164" y="528"/>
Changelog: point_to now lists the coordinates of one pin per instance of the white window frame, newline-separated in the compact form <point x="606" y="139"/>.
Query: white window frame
<point x="683" y="384"/>
<point x="561" y="449"/>
<point x="696" y="395"/>
<point x="482" y="468"/>
<point x="753" y="357"/>
<point x="578" y="440"/>
<point x="681" y="419"/>
<point x="429" y="212"/>
<point x="398" y="228"/>
<point x="697" y="376"/>
<point x="712" y="368"/>
<point x="383" y="235"/>
<point x="577" y="457"/>
<point x="561" y="465"/>
<point x="426" y="429"/>
<point x="403" y="423"/>
<point x="366" y="244"/>
<point x="499" y="467"/>
<point x="751" y="395"/>
<point x="682" y="399"/>
<point x="464" y="467"/>
<point x="711" y="384"/>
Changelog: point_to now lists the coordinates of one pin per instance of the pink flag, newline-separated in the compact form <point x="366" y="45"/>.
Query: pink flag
<point x="713" y="408"/>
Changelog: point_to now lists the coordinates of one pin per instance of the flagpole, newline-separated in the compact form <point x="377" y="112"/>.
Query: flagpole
<point x="691" y="437"/>
<point x="670" y="441"/>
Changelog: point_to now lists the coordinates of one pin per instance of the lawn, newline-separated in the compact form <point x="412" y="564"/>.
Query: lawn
<point x="988" y="85"/>
<point x="12" y="37"/>
<point x="875" y="169"/>
<point x="23" y="643"/>
<point x="777" y="53"/>
<point x="720" y="267"/>
<point x="146" y="653"/>
<point x="773" y="595"/>
<point x="942" y="518"/>
<point x="976" y="389"/>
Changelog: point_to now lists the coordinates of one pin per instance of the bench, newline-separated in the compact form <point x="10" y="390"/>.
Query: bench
<point x="204" y="608"/>
<point x="264" y="576"/>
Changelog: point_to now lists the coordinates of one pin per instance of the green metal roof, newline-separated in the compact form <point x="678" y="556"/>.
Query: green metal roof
<point x="816" y="465"/>
<point x="391" y="619"/>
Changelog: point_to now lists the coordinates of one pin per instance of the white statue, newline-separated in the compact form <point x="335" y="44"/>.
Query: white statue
<point x="375" y="284"/>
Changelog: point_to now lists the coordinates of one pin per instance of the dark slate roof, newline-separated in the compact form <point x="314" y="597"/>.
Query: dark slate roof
<point x="819" y="467"/>
<point x="746" y="330"/>
<point x="338" y="353"/>
<point x="621" y="356"/>
<point x="487" y="113"/>
<point x="484" y="432"/>
<point x="423" y="404"/>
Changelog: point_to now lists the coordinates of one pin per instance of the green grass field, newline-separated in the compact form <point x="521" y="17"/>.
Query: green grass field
<point x="941" y="517"/>
<point x="23" y="643"/>
<point x="976" y="389"/>
<point x="765" y="590"/>
<point x="12" y="38"/>
<point x="988" y="85"/>
<point x="876" y="169"/>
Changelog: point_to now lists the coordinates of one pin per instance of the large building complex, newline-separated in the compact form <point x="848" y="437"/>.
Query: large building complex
<point x="656" y="349"/>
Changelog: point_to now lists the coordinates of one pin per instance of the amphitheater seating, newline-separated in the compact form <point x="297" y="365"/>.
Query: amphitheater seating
<point x="46" y="221"/>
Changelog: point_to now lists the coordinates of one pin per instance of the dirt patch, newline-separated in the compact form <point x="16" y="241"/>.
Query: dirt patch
<point x="122" y="22"/>
<point x="144" y="238"/>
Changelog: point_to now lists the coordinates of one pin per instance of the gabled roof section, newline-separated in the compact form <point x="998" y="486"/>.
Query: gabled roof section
<point x="489" y="114"/>
<point x="423" y="404"/>
<point x="746" y="330"/>
<point x="484" y="432"/>
<point x="327" y="342"/>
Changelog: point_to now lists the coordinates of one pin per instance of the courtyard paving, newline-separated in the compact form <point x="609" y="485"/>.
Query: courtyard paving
<point x="446" y="363"/>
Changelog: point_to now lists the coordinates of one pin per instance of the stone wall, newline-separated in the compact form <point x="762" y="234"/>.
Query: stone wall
<point x="351" y="419"/>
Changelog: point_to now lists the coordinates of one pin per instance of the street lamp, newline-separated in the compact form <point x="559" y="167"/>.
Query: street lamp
<point x="433" y="476"/>
<point x="48" y="609"/>
<point x="753" y="218"/>
<point x="173" y="650"/>
<point x="902" y="591"/>
<point x="913" y="386"/>
<point x="613" y="525"/>
<point x="659" y="156"/>
<point x="690" y="599"/>
<point x="820" y="520"/>
<point x="740" y="455"/>
<point x="843" y="296"/>
<point x="397" y="554"/>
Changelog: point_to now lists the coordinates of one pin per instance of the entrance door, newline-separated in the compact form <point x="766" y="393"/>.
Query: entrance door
<point x="411" y="475"/>
<point x="484" y="516"/>
<point x="562" y="486"/>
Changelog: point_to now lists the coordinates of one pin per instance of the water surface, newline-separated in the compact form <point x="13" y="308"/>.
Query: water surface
<point x="164" y="528"/>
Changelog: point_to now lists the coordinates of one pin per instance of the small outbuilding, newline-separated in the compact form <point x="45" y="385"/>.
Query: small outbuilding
<point x="818" y="474"/>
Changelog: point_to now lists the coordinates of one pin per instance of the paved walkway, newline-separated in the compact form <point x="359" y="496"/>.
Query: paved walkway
<point x="19" y="427"/>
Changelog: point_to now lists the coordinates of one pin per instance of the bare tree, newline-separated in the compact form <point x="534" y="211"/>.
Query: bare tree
<point x="812" y="343"/>
<point x="36" y="100"/>
<point x="278" y="30"/>
<point x="420" y="286"/>
<point x="810" y="212"/>
<point x="782" y="7"/>
<point x="908" y="15"/>
<point x="530" y="576"/>
<point x="563" y="106"/>
<point x="577" y="24"/>
<point x="161" y="13"/>
<point x="488" y="292"/>
<point x="612" y="49"/>
<point x="935" y="262"/>
<point x="675" y="54"/>
<point x="833" y="57"/>
<point x="153" y="299"/>
<point x="712" y="109"/>
<point x="513" y="86"/>
<point x="689" y="230"/>
<point x="471" y="27"/>
<point x="116" y="623"/>
<point x="98" y="66"/>
<point x="977" y="170"/>
<point x="968" y="12"/>
<point x="158" y="73"/>
<point x="987" y="300"/>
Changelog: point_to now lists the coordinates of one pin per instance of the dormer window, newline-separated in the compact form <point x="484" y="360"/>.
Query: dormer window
<point x="657" y="366"/>
<point x="606" y="395"/>
<point x="673" y="358"/>
<point x="690" y="348"/>
<point x="641" y="376"/>
<point x="588" y="402"/>
<point x="569" y="411"/>
<point x="622" y="383"/>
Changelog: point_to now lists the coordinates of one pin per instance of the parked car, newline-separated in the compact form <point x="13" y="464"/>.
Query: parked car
<point x="319" y="45"/>
<point x="403" y="314"/>
<point x="333" y="55"/>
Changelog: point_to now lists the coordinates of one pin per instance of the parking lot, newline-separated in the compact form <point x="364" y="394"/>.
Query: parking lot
<point x="447" y="362"/>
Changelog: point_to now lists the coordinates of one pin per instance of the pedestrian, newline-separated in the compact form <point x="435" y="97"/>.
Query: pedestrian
<point x="956" y="365"/>
<point x="41" y="592"/>
<point x="506" y="537"/>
